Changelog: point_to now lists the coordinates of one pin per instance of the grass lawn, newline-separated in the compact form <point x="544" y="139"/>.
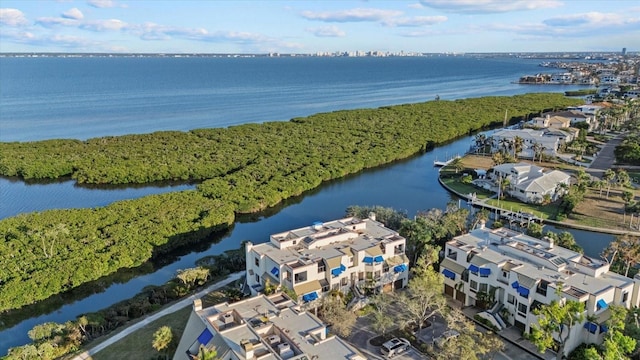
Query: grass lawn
<point x="466" y="188"/>
<point x="138" y="344"/>
<point x="544" y="211"/>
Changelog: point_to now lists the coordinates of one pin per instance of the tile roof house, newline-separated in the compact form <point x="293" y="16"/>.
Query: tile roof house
<point x="528" y="183"/>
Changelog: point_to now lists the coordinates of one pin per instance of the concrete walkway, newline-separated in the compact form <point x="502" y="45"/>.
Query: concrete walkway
<point x="173" y="308"/>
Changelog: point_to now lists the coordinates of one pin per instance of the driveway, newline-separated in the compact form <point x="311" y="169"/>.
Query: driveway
<point x="606" y="157"/>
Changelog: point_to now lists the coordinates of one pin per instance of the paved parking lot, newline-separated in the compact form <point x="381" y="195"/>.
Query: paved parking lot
<point x="362" y="333"/>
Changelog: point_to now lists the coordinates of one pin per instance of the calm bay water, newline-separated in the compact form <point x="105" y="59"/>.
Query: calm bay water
<point x="89" y="97"/>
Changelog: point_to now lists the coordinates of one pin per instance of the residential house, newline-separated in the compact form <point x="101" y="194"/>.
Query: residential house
<point x="262" y="327"/>
<point x="346" y="254"/>
<point x="551" y="121"/>
<point x="529" y="136"/>
<point x="516" y="274"/>
<point x="528" y="183"/>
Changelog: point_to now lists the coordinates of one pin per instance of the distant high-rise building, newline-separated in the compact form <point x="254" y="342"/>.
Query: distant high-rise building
<point x="624" y="51"/>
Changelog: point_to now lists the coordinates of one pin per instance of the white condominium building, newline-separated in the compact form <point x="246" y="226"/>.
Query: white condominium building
<point x="343" y="254"/>
<point x="514" y="274"/>
<point x="262" y="327"/>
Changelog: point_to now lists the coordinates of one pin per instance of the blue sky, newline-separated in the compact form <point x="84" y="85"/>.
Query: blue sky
<point x="300" y="26"/>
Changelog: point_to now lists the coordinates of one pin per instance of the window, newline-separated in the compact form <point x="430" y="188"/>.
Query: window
<point x="542" y="287"/>
<point x="369" y="275"/>
<point x="376" y="274"/>
<point x="258" y="278"/>
<point x="473" y="285"/>
<point x="511" y="299"/>
<point x="257" y="261"/>
<point x="483" y="288"/>
<point x="385" y="267"/>
<point x="452" y="254"/>
<point x="361" y="276"/>
<point x="300" y="277"/>
<point x="321" y="267"/>
<point x="325" y="288"/>
<point x="522" y="309"/>
<point x="295" y="242"/>
<point x="505" y="274"/>
<point x="625" y="296"/>
<point x="344" y="281"/>
<point x="335" y="286"/>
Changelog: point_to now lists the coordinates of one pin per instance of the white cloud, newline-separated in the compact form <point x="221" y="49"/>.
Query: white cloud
<point x="104" y="25"/>
<point x="415" y="21"/>
<point x="489" y="6"/>
<point x="74" y="13"/>
<point x="351" y="15"/>
<point x="104" y="4"/>
<point x="575" y="25"/>
<point x="12" y="17"/>
<point x="327" y="31"/>
<point x="49" y="22"/>
<point x="590" y="19"/>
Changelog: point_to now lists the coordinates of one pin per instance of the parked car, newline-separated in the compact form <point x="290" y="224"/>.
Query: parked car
<point x="394" y="347"/>
<point x="449" y="334"/>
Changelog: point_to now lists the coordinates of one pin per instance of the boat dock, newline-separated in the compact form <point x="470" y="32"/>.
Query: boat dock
<point x="444" y="163"/>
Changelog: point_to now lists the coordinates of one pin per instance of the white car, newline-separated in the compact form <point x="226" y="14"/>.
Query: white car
<point x="394" y="347"/>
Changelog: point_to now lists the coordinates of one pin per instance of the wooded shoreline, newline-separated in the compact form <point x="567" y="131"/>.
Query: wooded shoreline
<point x="243" y="169"/>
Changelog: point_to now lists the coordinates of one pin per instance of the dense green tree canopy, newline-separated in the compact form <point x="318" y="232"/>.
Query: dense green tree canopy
<point x="244" y="169"/>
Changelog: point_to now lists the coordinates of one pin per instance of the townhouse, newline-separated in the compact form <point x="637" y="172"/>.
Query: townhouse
<point x="513" y="274"/>
<point x="261" y="327"/>
<point x="346" y="254"/>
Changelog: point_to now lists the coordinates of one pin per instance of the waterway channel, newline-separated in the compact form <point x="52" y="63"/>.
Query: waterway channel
<point x="410" y="185"/>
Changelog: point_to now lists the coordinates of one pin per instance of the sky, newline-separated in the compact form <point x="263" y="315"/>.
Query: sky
<point x="243" y="26"/>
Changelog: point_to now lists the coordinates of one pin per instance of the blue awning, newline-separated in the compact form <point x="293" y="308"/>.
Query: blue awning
<point x="448" y="273"/>
<point x="473" y="268"/>
<point x="400" y="268"/>
<point x="591" y="327"/>
<point x="368" y="260"/>
<point x="515" y="285"/>
<point x="601" y="304"/>
<point x="205" y="337"/>
<point x="336" y="272"/>
<point x="523" y="291"/>
<point x="310" y="296"/>
<point x="275" y="271"/>
<point x="378" y="258"/>
<point x="485" y="271"/>
<point x="603" y="328"/>
<point x="342" y="267"/>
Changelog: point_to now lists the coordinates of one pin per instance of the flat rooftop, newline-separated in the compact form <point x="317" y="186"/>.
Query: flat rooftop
<point x="275" y="325"/>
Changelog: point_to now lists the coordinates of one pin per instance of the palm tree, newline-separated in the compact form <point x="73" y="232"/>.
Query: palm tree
<point x="480" y="140"/>
<point x="609" y="176"/>
<point x="518" y="144"/>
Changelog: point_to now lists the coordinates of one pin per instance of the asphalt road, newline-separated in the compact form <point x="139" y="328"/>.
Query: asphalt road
<point x="605" y="158"/>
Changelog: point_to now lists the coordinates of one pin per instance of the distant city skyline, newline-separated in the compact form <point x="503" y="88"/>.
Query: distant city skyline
<point x="310" y="27"/>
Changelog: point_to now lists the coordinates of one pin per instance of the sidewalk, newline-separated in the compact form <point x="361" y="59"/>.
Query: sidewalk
<point x="173" y="308"/>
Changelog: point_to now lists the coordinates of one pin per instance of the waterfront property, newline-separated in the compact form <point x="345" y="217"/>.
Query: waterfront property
<point x="347" y="254"/>
<point x="512" y="274"/>
<point x="261" y="327"/>
<point x="503" y="140"/>
<point x="528" y="183"/>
